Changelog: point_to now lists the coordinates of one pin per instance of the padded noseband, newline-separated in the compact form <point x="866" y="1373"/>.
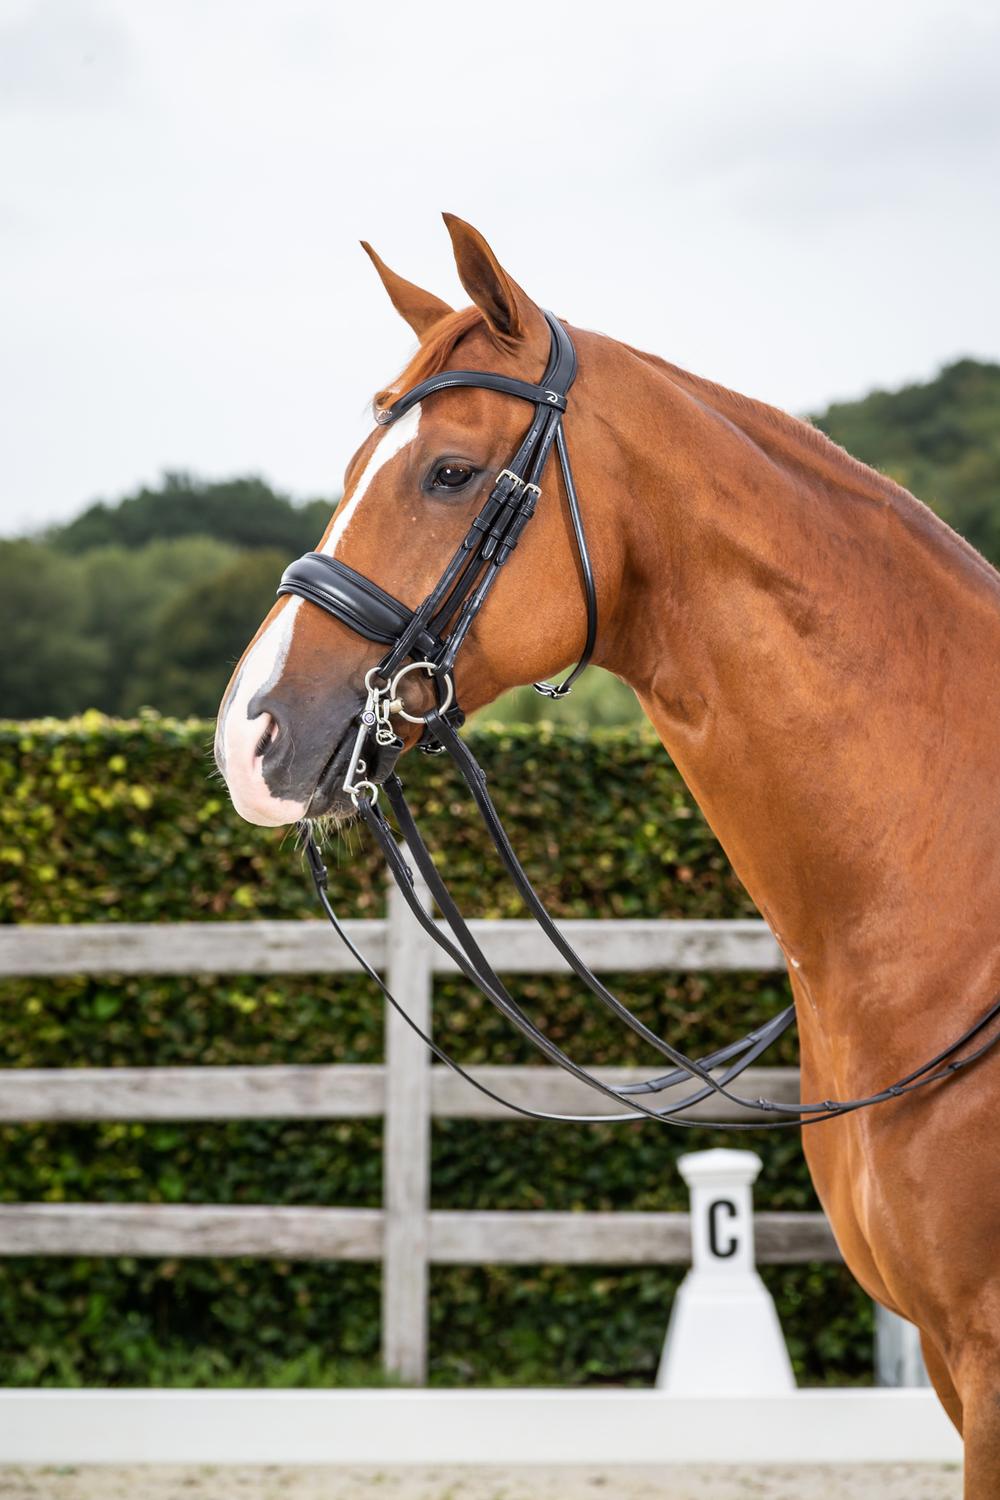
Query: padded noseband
<point x="355" y="600"/>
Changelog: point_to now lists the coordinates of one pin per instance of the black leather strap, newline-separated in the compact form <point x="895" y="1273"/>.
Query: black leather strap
<point x="745" y="1051"/>
<point x="550" y="392"/>
<point x="936" y="1069"/>
<point x="318" y="872"/>
<point x="353" y="599"/>
<point x="465" y="952"/>
<point x="464" y="585"/>
<point x="468" y="957"/>
<point x="486" y="380"/>
<point x="562" y="689"/>
<point x="476" y="782"/>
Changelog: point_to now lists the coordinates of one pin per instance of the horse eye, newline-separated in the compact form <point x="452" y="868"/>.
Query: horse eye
<point x="452" y="476"/>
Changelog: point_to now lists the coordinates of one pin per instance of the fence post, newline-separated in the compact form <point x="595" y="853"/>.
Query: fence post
<point x="724" y="1336"/>
<point x="406" y="1145"/>
<point x="899" y="1359"/>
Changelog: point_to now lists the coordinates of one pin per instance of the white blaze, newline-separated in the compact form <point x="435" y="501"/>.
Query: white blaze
<point x="394" y="438"/>
<point x="238" y="736"/>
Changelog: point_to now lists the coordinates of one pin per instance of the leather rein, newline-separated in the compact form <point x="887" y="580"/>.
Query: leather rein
<point x="428" y="639"/>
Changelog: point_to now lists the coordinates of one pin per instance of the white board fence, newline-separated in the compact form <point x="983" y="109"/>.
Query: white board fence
<point x="405" y="1234"/>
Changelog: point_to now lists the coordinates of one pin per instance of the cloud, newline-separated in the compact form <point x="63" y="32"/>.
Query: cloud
<point x="797" y="200"/>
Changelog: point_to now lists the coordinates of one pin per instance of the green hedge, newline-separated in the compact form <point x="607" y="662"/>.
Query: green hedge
<point x="112" y="821"/>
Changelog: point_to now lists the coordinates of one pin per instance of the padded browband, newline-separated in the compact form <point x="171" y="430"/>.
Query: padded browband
<point x="485" y="380"/>
<point x="352" y="599"/>
<point x="550" y="393"/>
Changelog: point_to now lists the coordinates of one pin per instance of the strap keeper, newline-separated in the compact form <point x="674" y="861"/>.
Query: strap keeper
<point x="314" y="859"/>
<point x="428" y="744"/>
<point x="523" y="515"/>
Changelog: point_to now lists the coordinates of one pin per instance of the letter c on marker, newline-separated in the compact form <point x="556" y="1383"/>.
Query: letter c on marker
<point x="715" y="1244"/>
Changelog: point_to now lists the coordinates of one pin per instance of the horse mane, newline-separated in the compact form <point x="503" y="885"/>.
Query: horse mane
<point x="795" y="440"/>
<point x="434" y="351"/>
<point x="758" y="418"/>
<point x="775" y="431"/>
<point x="432" y="354"/>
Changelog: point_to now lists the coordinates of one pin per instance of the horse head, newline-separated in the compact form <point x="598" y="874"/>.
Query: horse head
<point x="288" y="717"/>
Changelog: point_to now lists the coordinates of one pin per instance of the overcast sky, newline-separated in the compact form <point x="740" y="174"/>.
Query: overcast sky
<point x="799" y="200"/>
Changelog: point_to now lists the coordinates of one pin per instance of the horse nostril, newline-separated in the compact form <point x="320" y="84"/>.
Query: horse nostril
<point x="266" y="709"/>
<point x="269" y="735"/>
<point x="265" y="714"/>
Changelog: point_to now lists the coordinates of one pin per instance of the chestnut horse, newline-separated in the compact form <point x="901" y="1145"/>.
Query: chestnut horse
<point x="821" y="657"/>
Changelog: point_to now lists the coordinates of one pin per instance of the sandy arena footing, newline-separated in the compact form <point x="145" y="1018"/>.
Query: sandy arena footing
<point x="701" y="1482"/>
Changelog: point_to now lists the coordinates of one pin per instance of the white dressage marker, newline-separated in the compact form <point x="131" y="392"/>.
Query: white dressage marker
<point x="724" y="1337"/>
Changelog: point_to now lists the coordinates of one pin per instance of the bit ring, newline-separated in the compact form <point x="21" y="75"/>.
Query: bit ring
<point x="359" y="786"/>
<point x="431" y="671"/>
<point x="369" y="685"/>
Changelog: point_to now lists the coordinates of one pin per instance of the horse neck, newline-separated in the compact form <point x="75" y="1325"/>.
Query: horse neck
<point x="819" y="654"/>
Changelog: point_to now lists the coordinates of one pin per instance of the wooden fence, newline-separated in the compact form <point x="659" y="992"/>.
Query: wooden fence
<point x="405" y="1234"/>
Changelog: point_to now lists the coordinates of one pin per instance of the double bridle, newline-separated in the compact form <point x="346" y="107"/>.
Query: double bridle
<point x="417" y="639"/>
<point x="428" y="639"/>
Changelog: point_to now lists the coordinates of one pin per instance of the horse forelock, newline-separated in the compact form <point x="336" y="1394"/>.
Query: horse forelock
<point x="433" y="354"/>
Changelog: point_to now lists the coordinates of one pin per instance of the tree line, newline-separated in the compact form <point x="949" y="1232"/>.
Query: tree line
<point x="151" y="600"/>
<point x="147" y="602"/>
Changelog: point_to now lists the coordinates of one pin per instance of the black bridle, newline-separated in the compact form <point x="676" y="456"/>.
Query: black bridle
<point x="428" y="639"/>
<point x="417" y="637"/>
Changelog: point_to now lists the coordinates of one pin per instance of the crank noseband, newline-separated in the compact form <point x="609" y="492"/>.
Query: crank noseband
<point x="355" y="600"/>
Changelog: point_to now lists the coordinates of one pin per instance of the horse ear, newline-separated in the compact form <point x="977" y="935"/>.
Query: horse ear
<point x="419" y="308"/>
<point x="509" y="311"/>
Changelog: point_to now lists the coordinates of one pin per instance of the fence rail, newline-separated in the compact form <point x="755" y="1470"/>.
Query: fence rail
<point x="407" y="1090"/>
<point x="482" y="1237"/>
<point x="335" y="1092"/>
<point x="512" y="946"/>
